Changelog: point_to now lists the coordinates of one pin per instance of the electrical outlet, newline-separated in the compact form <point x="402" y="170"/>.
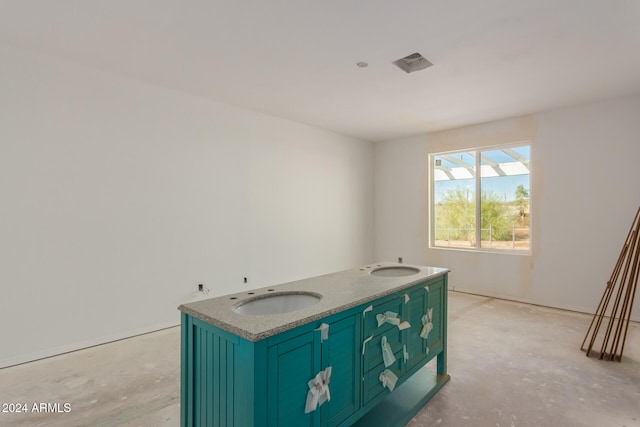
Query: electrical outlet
<point x="202" y="290"/>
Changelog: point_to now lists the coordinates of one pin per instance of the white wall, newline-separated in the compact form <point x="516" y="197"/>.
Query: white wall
<point x="584" y="197"/>
<point x="118" y="197"/>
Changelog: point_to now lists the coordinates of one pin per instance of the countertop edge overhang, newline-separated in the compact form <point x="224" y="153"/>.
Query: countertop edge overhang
<point x="340" y="291"/>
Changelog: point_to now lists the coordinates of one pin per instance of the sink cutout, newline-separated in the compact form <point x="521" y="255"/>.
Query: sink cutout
<point x="395" y="271"/>
<point x="278" y="303"/>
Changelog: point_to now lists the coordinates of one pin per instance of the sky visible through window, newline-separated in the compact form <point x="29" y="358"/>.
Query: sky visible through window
<point x="501" y="186"/>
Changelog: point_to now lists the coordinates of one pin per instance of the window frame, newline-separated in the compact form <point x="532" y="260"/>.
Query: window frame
<point x="478" y="197"/>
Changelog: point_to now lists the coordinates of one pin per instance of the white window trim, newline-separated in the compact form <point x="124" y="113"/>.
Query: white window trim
<point x="477" y="249"/>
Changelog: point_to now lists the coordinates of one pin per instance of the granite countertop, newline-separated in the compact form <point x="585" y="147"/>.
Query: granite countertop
<point x="340" y="291"/>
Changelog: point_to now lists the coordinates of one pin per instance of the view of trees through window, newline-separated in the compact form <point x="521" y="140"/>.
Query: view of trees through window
<point x="498" y="199"/>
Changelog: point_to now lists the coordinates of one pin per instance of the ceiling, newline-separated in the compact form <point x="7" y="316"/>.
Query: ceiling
<point x="297" y="58"/>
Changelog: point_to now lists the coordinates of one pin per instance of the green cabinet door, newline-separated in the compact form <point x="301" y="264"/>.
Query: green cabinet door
<point x="294" y="362"/>
<point x="341" y="351"/>
<point x="291" y="365"/>
<point x="426" y="305"/>
<point x="416" y="345"/>
<point x="436" y="302"/>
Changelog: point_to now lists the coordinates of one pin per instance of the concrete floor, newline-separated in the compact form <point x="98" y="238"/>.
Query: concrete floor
<point x="511" y="364"/>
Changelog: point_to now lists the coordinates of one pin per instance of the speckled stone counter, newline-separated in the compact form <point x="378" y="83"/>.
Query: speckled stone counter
<point x="340" y="291"/>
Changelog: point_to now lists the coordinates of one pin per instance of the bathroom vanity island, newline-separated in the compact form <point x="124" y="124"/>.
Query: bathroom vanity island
<point x="347" y="348"/>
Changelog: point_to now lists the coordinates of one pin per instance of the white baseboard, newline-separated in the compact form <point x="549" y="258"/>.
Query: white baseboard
<point x="575" y="308"/>
<point x="24" y="358"/>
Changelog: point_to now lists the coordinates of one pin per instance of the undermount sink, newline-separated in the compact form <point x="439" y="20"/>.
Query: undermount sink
<point x="395" y="271"/>
<point x="278" y="303"/>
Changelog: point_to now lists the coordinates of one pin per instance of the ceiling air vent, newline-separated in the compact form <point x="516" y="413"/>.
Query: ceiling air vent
<point x="413" y="62"/>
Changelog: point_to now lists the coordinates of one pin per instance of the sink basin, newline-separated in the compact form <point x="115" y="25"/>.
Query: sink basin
<point x="281" y="302"/>
<point x="395" y="271"/>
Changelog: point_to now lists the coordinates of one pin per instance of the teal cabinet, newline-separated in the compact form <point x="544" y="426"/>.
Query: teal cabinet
<point x="421" y="307"/>
<point x="437" y="303"/>
<point x="341" y="351"/>
<point x="220" y="377"/>
<point x="416" y="382"/>
<point x="292" y="363"/>
<point x="426" y="303"/>
<point x="227" y="380"/>
<point x="372" y="346"/>
<point x="416" y="345"/>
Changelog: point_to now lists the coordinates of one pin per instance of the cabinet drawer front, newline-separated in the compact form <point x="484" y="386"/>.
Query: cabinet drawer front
<point x="373" y="349"/>
<point x="396" y="305"/>
<point x="372" y="386"/>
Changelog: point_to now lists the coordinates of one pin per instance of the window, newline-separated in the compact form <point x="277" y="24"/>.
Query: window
<point x="498" y="200"/>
